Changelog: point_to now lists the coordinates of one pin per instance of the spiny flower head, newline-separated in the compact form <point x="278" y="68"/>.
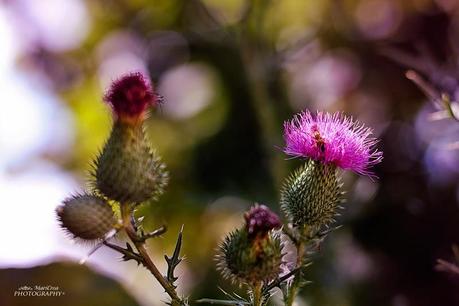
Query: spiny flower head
<point x="128" y="169"/>
<point x="246" y="260"/>
<point x="86" y="217"/>
<point x="253" y="253"/>
<point x="260" y="220"/>
<point x="332" y="139"/>
<point x="130" y="96"/>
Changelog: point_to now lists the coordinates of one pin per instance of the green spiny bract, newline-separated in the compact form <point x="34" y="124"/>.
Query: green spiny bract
<point x="86" y="217"/>
<point x="127" y="170"/>
<point x="311" y="195"/>
<point x="250" y="260"/>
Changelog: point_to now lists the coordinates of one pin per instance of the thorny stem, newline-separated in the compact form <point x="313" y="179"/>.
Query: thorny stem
<point x="140" y="245"/>
<point x="155" y="233"/>
<point x="257" y="294"/>
<point x="280" y="280"/>
<point x="127" y="253"/>
<point x="293" y="290"/>
<point x="300" y="244"/>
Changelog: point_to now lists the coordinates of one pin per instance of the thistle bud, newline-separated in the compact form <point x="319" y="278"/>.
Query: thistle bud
<point x="86" y="217"/>
<point x="253" y="253"/>
<point x="128" y="170"/>
<point x="311" y="195"/>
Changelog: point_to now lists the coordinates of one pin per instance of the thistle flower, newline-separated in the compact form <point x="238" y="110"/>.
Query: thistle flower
<point x="260" y="220"/>
<point x="332" y="139"/>
<point x="252" y="254"/>
<point x="130" y="97"/>
<point x="311" y="196"/>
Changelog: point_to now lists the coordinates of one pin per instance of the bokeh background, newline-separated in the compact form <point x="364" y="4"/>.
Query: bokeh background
<point x="231" y="71"/>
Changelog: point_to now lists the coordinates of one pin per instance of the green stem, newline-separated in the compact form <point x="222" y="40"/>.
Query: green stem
<point x="257" y="294"/>
<point x="126" y="212"/>
<point x="447" y="104"/>
<point x="295" y="286"/>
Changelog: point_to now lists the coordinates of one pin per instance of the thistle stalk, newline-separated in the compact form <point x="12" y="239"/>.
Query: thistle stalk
<point x="126" y="213"/>
<point x="295" y="286"/>
<point x="257" y="294"/>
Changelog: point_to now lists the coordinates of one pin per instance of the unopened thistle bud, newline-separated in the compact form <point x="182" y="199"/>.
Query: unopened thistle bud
<point x="312" y="194"/>
<point x="86" y="217"/>
<point x="128" y="170"/>
<point x="253" y="253"/>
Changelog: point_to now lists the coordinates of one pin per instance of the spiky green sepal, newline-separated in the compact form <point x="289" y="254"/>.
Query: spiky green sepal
<point x="311" y="195"/>
<point x="86" y="217"/>
<point x="243" y="259"/>
<point x="128" y="170"/>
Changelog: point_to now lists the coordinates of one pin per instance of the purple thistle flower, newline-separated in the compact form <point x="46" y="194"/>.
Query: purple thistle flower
<point x="130" y="96"/>
<point x="260" y="220"/>
<point x="332" y="139"/>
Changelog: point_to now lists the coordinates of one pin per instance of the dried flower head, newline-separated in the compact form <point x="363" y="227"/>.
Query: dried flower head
<point x="332" y="139"/>
<point x="260" y="220"/>
<point x="130" y="96"/>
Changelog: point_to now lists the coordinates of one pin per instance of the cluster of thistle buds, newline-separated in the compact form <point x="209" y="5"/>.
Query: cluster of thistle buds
<point x="126" y="173"/>
<point x="310" y="199"/>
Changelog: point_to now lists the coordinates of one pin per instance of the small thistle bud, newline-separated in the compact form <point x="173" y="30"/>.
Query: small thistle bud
<point x="130" y="97"/>
<point x="86" y="217"/>
<point x="252" y="254"/>
<point x="260" y="220"/>
<point x="127" y="170"/>
<point x="311" y="195"/>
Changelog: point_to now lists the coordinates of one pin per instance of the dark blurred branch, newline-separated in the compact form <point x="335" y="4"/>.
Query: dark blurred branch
<point x="445" y="266"/>
<point x="441" y="100"/>
<point x="427" y="88"/>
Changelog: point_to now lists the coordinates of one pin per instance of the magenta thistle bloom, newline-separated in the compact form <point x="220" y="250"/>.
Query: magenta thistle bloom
<point x="332" y="139"/>
<point x="260" y="220"/>
<point x="130" y="96"/>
